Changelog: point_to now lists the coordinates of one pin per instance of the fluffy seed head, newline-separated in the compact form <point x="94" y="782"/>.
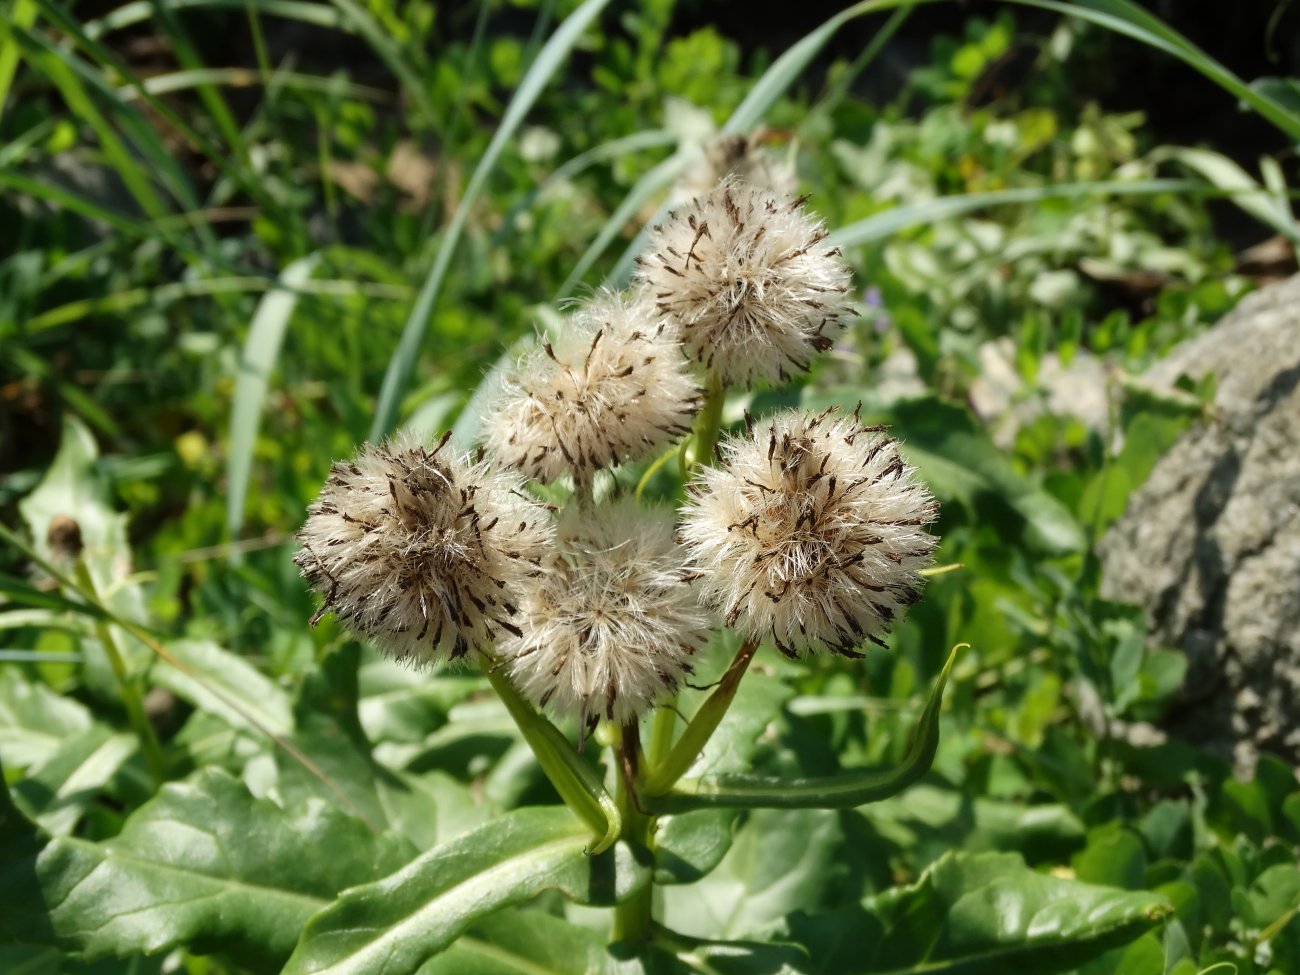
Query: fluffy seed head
<point x="610" y="624"/>
<point x="420" y="551"/>
<point x="749" y="281"/>
<point x="810" y="533"/>
<point x="614" y="388"/>
<point x="742" y="157"/>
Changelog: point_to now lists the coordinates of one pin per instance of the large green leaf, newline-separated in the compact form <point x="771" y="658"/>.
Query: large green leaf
<point x="978" y="914"/>
<point x="203" y="864"/>
<point x="395" y="925"/>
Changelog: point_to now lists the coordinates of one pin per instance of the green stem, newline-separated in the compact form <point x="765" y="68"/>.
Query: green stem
<point x="574" y="779"/>
<point x="128" y="687"/>
<point x="709" y="422"/>
<point x="634" y="918"/>
<point x="846" y="790"/>
<point x="696" y="735"/>
<point x="661" y="733"/>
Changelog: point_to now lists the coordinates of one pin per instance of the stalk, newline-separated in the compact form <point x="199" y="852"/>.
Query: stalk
<point x="128" y="687"/>
<point x="634" y="918"/>
<point x="696" y="735"/>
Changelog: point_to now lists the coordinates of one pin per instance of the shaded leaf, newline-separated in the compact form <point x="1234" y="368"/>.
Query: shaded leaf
<point x="57" y="792"/>
<point x="781" y="861"/>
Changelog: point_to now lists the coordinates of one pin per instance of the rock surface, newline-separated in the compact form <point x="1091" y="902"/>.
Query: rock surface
<point x="1210" y="545"/>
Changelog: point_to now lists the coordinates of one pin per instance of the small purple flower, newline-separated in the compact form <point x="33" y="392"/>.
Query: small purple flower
<point x="882" y="322"/>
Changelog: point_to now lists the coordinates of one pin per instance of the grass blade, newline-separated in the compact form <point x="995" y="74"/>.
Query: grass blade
<point x="408" y="347"/>
<point x="882" y="225"/>
<point x="23" y="15"/>
<point x="1127" y="18"/>
<point x="138" y="11"/>
<point x="261" y="350"/>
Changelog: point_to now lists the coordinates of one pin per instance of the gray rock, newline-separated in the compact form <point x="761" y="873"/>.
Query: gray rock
<point x="1210" y="544"/>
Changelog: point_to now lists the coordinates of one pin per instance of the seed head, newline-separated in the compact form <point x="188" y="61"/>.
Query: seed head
<point x="749" y="282"/>
<point x="742" y="157"/>
<point x="610" y="624"/>
<point x="810" y="533"/>
<point x="422" y="552"/>
<point x="615" y="388"/>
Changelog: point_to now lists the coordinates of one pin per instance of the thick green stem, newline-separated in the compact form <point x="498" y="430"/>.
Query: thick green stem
<point x="634" y="918"/>
<point x="696" y="735"/>
<point x="709" y="422"/>
<point x="574" y="779"/>
<point x="128" y="686"/>
<point x="661" y="733"/>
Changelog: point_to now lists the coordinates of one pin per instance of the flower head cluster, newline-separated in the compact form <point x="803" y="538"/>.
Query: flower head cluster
<point x="810" y="533"/>
<point x="421" y="551"/>
<point x="749" y="281"/>
<point x="616" y="388"/>
<point x="609" y="625"/>
<point x="743" y="158"/>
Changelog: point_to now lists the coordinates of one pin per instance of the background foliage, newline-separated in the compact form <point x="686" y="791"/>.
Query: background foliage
<point x="241" y="237"/>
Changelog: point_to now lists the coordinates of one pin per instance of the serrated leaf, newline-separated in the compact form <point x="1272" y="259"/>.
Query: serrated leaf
<point x="979" y="914"/>
<point x="397" y="924"/>
<point x="203" y="864"/>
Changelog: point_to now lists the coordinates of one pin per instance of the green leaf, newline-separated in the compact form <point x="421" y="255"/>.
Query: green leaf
<point x="252" y="378"/>
<point x="781" y="861"/>
<point x="927" y="818"/>
<point x="72" y="487"/>
<point x="978" y="914"/>
<point x="214" y="678"/>
<point x="34" y="721"/>
<point x="520" y="942"/>
<point x="1114" y="856"/>
<point x="726" y="957"/>
<point x="203" y="864"/>
<point x="397" y="924"/>
<point x="57" y="792"/>
<point x="407" y="352"/>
